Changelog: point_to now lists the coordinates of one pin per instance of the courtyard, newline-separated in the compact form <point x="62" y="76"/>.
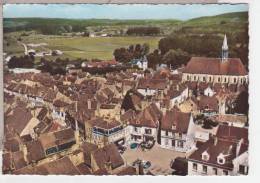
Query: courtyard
<point x="160" y="158"/>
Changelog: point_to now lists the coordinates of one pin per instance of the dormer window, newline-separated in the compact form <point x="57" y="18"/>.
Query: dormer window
<point x="173" y="127"/>
<point x="205" y="156"/>
<point x="221" y="159"/>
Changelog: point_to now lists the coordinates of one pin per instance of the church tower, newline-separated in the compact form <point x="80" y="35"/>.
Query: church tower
<point x="224" y="55"/>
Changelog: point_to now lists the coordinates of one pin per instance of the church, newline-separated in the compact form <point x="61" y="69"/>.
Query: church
<point x="222" y="70"/>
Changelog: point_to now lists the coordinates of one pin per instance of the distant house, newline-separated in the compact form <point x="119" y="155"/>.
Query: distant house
<point x="151" y="87"/>
<point x="31" y="52"/>
<point x="177" y="95"/>
<point x="207" y="105"/>
<point x="59" y="110"/>
<point x="209" y="91"/>
<point x="142" y="62"/>
<point x="177" y="131"/>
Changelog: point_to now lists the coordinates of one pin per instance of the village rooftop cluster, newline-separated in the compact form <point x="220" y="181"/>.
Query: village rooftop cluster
<point x="134" y="122"/>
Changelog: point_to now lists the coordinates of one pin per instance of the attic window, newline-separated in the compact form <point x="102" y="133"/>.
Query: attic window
<point x="221" y="160"/>
<point x="173" y="127"/>
<point x="205" y="156"/>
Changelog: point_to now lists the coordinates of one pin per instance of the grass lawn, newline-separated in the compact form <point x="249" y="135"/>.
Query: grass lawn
<point x="97" y="47"/>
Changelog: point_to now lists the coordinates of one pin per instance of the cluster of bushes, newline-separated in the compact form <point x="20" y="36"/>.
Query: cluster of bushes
<point x="57" y="66"/>
<point x="21" y="62"/>
<point x="125" y="55"/>
<point x="205" y="122"/>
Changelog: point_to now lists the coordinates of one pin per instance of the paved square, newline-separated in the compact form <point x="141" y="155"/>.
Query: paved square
<point x="160" y="158"/>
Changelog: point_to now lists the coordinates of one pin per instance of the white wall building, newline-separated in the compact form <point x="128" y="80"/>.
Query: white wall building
<point x="178" y="131"/>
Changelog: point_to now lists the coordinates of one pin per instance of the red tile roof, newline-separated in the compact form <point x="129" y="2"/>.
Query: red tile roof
<point x="225" y="147"/>
<point x="175" y="118"/>
<point x="214" y="66"/>
<point x="232" y="133"/>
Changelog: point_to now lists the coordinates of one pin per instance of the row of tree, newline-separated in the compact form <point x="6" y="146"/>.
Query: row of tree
<point x="143" y="31"/>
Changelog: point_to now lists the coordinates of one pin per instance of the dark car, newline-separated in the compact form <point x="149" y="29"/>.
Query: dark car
<point x="147" y="164"/>
<point x="133" y="145"/>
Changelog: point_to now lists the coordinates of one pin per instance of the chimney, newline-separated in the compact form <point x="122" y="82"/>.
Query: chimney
<point x="98" y="109"/>
<point x="89" y="104"/>
<point x="177" y="87"/>
<point x="25" y="153"/>
<point x="215" y="141"/>
<point x="76" y="133"/>
<point x="76" y="106"/>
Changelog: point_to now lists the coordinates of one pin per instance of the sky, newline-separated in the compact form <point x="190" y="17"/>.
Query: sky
<point x="113" y="11"/>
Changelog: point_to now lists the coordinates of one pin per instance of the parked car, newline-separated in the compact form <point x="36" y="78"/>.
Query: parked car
<point x="146" y="164"/>
<point x="133" y="145"/>
<point x="147" y="144"/>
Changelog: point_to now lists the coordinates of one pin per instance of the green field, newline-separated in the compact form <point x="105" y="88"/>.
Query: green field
<point x="82" y="47"/>
<point x="97" y="47"/>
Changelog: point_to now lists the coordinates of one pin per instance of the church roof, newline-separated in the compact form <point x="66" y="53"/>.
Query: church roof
<point x="215" y="66"/>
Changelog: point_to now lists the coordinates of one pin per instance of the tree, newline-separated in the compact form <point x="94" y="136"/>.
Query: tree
<point x="122" y="55"/>
<point x="176" y="58"/>
<point x="131" y="48"/>
<point x="241" y="103"/>
<point x="154" y="59"/>
<point x="86" y="34"/>
<point x="146" y="48"/>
